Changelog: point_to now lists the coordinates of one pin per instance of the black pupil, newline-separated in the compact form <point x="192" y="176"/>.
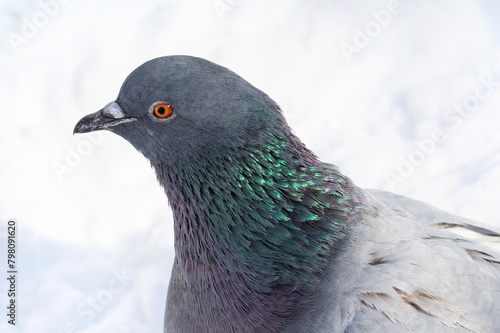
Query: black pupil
<point x="161" y="110"/>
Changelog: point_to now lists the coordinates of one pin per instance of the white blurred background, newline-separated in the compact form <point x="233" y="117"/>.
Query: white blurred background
<point x="402" y="95"/>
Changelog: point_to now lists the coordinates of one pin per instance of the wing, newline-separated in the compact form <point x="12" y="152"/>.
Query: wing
<point x="432" y="216"/>
<point x="417" y="276"/>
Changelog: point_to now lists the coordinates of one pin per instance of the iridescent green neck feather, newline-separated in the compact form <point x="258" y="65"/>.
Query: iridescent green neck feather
<point x="268" y="215"/>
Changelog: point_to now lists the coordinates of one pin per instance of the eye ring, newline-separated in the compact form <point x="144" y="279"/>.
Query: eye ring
<point x="161" y="111"/>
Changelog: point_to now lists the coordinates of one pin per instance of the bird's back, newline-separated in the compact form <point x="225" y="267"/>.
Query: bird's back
<point x="405" y="270"/>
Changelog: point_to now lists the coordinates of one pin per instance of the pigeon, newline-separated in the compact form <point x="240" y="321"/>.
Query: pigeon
<point x="268" y="238"/>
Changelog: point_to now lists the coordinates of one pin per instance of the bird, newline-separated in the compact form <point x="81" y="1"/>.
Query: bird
<point x="269" y="238"/>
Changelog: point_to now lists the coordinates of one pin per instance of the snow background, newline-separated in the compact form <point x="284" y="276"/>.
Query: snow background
<point x="106" y="216"/>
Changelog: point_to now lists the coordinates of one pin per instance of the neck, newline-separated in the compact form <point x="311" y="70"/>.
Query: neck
<point x="267" y="219"/>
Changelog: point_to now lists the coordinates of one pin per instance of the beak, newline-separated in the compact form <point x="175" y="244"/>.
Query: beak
<point x="110" y="116"/>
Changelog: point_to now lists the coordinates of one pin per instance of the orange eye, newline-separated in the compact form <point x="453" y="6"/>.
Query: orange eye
<point x="162" y="110"/>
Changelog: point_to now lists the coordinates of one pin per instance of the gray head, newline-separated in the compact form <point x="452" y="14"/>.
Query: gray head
<point x="178" y="107"/>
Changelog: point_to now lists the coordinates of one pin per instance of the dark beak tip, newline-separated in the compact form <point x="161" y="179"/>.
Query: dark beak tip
<point x="88" y="123"/>
<point x="76" y="129"/>
<point x="80" y="127"/>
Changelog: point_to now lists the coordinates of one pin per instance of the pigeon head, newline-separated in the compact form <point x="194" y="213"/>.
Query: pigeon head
<point x="178" y="108"/>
